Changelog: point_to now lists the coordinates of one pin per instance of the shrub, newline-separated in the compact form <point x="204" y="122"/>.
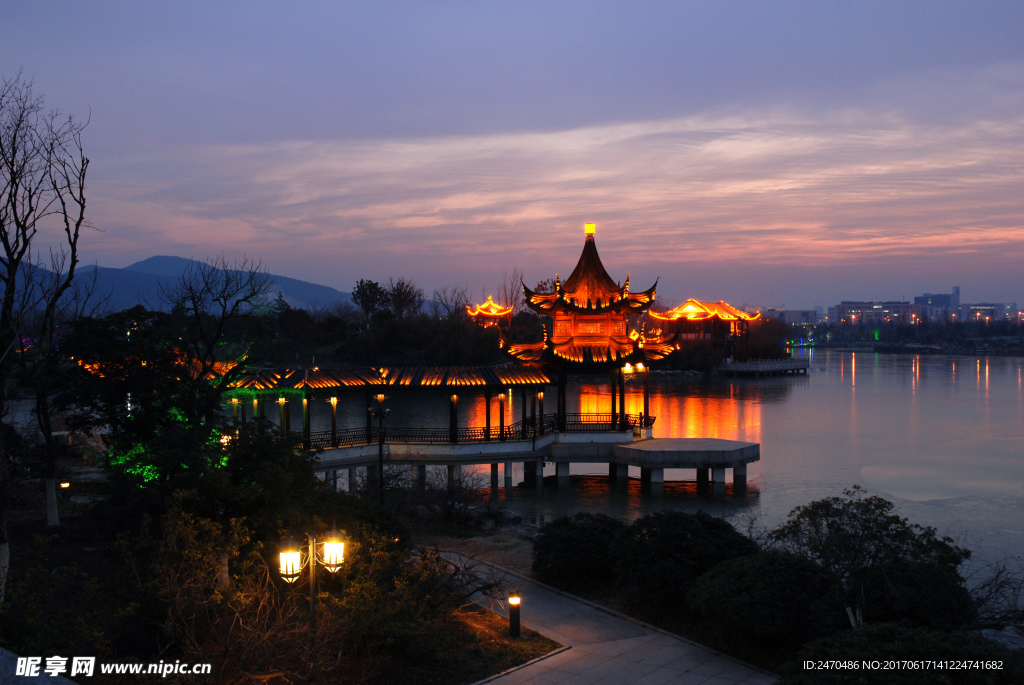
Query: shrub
<point x="773" y="596"/>
<point x="890" y="642"/>
<point x="576" y="553"/>
<point x="660" y="555"/>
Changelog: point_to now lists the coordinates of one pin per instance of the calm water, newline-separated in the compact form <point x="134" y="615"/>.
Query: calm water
<point x="943" y="437"/>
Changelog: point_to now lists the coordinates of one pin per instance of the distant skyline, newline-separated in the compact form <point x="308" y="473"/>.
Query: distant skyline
<point x="787" y="154"/>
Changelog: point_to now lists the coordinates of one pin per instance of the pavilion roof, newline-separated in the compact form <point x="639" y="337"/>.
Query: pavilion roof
<point x="489" y="309"/>
<point x="256" y="380"/>
<point x="589" y="288"/>
<point x="692" y="310"/>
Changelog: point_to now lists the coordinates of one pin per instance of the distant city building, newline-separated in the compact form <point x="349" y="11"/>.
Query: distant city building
<point x="876" y="312"/>
<point x="792" y="316"/>
<point x="939" y="306"/>
<point x="990" y="311"/>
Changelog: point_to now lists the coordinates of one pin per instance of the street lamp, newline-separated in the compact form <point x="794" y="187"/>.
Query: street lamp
<point x="381" y="414"/>
<point x="331" y="557"/>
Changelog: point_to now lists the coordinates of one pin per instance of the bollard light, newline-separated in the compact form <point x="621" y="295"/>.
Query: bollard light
<point x="291" y="561"/>
<point x="513" y="615"/>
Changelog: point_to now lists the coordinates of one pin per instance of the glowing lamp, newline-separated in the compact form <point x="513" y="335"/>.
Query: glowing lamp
<point x="291" y="561"/>
<point x="540" y="395"/>
<point x="589" y="229"/>
<point x="64" y="485"/>
<point x="334" y="401"/>
<point x="234" y="401"/>
<point x="280" y="400"/>
<point x="640" y="367"/>
<point x="455" y="398"/>
<point x="628" y="368"/>
<point x="381" y="398"/>
<point x="514" y="600"/>
<point x="334" y="551"/>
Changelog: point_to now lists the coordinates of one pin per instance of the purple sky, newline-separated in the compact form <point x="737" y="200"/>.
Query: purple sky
<point x="777" y="154"/>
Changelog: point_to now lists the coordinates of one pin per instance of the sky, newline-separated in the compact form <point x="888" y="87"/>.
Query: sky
<point x="777" y="154"/>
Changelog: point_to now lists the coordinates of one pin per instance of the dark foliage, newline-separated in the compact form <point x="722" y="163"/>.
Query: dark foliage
<point x="772" y="597"/>
<point x="660" y="555"/>
<point x="577" y="553"/>
<point x="888" y="642"/>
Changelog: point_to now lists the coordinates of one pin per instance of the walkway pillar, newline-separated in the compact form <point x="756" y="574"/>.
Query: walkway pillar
<point x="494" y="477"/>
<point x="530" y="474"/>
<point x="508" y="474"/>
<point x="652" y="480"/>
<point x="501" y="416"/>
<point x="305" y="423"/>
<point x="562" y="474"/>
<point x="454" y="476"/>
<point x="487" y="413"/>
<point x="453" y="419"/>
<point x="334" y="422"/>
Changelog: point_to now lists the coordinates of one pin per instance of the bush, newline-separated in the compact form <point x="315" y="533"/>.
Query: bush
<point x="660" y="555"/>
<point x="775" y="597"/>
<point x="576" y="553"/>
<point x="890" y="642"/>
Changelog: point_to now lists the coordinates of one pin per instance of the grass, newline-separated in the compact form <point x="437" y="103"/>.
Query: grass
<point x="474" y="645"/>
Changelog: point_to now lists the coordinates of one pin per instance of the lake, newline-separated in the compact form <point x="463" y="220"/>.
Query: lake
<point x="942" y="437"/>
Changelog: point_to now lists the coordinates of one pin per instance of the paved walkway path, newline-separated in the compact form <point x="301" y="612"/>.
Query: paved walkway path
<point x="606" y="648"/>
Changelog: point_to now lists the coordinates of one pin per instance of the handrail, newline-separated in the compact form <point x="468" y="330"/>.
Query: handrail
<point x="530" y="429"/>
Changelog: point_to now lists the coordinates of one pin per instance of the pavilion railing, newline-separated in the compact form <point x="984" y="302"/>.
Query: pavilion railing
<point x="530" y="429"/>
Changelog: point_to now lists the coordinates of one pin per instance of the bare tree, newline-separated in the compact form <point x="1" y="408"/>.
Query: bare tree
<point x="42" y="180"/>
<point x="370" y="297"/>
<point x="404" y="297"/>
<point x="451" y="301"/>
<point x="510" y="292"/>
<point x="210" y="295"/>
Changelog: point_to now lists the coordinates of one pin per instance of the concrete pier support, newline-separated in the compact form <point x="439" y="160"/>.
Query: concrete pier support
<point x="494" y="477"/>
<point x="702" y="477"/>
<point x="652" y="480"/>
<point x="718" y="480"/>
<point x="562" y="474"/>
<point x="739" y="474"/>
<point x="352" y="479"/>
<point x="371" y="477"/>
<point x="533" y="474"/>
<point x="618" y="474"/>
<point x="508" y="474"/>
<point x="420" y="476"/>
<point x="454" y="475"/>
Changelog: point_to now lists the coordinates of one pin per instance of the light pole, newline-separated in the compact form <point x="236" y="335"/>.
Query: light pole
<point x="513" y="615"/>
<point x="381" y="414"/>
<point x="331" y="557"/>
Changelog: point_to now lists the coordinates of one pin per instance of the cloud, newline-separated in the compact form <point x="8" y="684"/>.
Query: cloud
<point x="772" y="188"/>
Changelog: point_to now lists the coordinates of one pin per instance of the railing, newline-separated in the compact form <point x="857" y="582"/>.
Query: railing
<point x="530" y="429"/>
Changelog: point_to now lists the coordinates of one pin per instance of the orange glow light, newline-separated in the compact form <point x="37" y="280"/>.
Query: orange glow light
<point x="589" y="229"/>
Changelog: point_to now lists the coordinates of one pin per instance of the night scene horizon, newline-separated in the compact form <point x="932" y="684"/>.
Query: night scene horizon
<point x="792" y="155"/>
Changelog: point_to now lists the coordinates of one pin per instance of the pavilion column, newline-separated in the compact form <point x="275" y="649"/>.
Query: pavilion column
<point x="525" y="390"/>
<point x="614" y="387"/>
<point x="508" y="474"/>
<point x="540" y="409"/>
<point x="234" y="408"/>
<point x="369" y="417"/>
<point x="561" y="398"/>
<point x="623" y="421"/>
<point x="241" y="409"/>
<point x="256" y="409"/>
<point x="501" y="416"/>
<point x="487" y="414"/>
<point x="647" y="400"/>
<point x="283" y="422"/>
<point x="494" y="477"/>
<point x="453" y="419"/>
<point x="533" y="407"/>
<point x="334" y="421"/>
<point x="305" y="423"/>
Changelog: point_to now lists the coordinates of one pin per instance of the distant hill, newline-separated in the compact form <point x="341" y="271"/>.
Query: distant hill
<point x="139" y="283"/>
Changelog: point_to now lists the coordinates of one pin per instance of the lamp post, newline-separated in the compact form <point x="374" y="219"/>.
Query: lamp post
<point x="382" y="414"/>
<point x="330" y="553"/>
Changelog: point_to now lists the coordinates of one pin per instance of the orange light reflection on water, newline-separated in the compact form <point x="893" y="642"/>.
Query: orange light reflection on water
<point x="729" y="418"/>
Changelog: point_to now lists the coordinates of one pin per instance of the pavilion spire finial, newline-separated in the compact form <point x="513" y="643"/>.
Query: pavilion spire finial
<point x="589" y="229"/>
